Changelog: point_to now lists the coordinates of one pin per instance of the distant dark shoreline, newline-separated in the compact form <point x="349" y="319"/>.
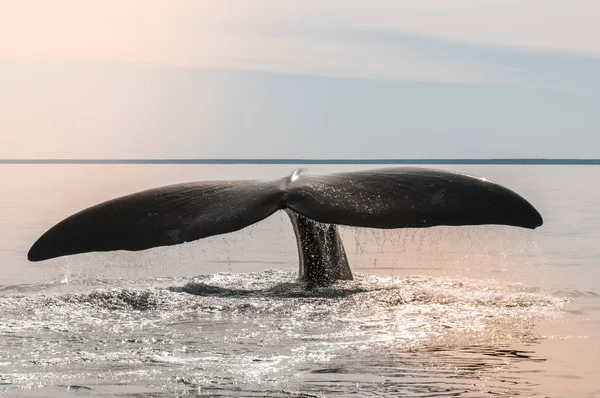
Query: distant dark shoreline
<point x="310" y="161"/>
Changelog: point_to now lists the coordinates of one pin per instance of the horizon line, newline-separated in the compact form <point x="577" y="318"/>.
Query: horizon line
<point x="439" y="161"/>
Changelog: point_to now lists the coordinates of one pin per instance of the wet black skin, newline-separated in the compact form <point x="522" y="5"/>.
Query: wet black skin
<point x="321" y="254"/>
<point x="402" y="197"/>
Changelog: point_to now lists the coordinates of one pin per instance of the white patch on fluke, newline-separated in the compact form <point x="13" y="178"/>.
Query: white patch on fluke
<point x="296" y="174"/>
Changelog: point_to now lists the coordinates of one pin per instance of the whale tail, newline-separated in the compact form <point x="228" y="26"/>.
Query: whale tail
<point x="383" y="198"/>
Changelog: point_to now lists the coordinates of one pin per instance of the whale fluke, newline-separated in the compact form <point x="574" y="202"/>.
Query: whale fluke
<point x="409" y="197"/>
<point x="160" y="217"/>
<point x="383" y="198"/>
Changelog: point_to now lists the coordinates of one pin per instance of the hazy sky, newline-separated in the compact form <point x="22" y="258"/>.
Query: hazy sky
<point x="310" y="79"/>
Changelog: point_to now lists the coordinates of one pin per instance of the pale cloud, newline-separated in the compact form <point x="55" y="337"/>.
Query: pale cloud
<point x="551" y="25"/>
<point x="230" y="35"/>
<point x="344" y="78"/>
<point x="345" y="58"/>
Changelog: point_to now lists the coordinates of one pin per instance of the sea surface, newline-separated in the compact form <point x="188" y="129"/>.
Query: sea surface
<point x="486" y="311"/>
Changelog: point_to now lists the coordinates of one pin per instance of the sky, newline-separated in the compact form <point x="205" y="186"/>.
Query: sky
<point x="300" y="79"/>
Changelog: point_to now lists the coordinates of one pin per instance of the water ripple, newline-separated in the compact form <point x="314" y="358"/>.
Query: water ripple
<point x="263" y="334"/>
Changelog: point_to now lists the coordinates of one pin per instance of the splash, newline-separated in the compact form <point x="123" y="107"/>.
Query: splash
<point x="259" y="331"/>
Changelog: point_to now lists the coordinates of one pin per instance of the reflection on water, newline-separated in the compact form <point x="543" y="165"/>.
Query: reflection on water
<point x="264" y="333"/>
<point x="464" y="371"/>
<point x="482" y="311"/>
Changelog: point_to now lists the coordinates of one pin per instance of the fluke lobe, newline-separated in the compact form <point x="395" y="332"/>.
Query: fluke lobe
<point x="404" y="197"/>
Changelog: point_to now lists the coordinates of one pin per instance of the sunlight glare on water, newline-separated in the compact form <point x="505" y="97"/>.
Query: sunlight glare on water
<point x="257" y="331"/>
<point x="444" y="311"/>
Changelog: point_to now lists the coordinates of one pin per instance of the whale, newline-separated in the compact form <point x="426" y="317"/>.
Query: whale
<point x="386" y="198"/>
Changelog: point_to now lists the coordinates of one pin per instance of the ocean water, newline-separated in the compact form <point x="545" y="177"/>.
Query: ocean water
<point x="486" y="311"/>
